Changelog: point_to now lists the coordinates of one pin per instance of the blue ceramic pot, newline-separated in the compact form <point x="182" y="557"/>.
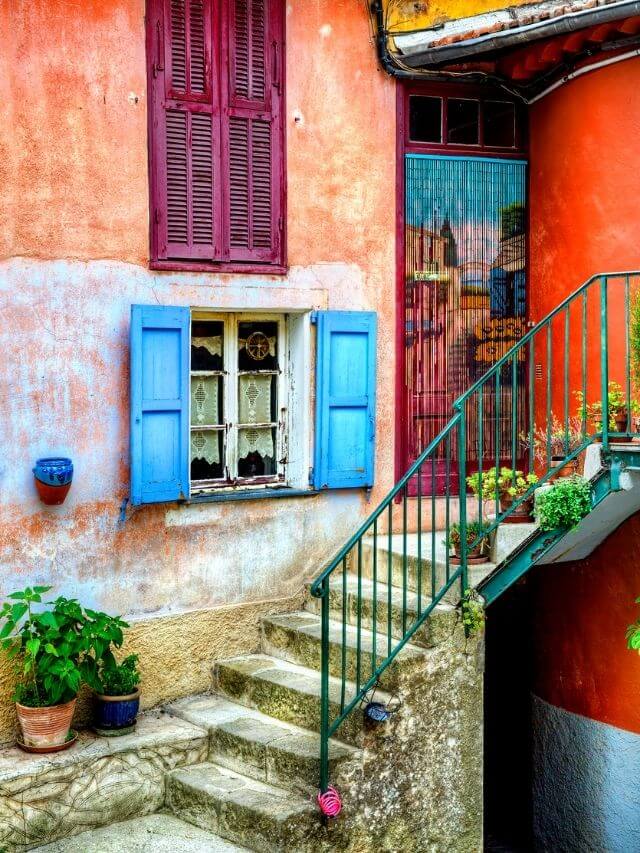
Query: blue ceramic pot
<point x="54" y="471"/>
<point x="116" y="712"/>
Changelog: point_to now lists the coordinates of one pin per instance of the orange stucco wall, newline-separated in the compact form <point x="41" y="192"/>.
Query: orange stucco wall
<point x="585" y="219"/>
<point x="73" y="258"/>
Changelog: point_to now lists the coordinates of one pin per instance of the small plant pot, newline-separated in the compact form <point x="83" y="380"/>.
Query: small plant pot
<point x="523" y="514"/>
<point x="53" y="476"/>
<point x="114" y="715"/>
<point x="474" y="557"/>
<point x="620" y="422"/>
<point x="567" y="470"/>
<point x="44" y="728"/>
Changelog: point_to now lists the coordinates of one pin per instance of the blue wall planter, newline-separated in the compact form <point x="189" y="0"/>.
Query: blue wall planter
<point x="53" y="476"/>
<point x="115" y="715"/>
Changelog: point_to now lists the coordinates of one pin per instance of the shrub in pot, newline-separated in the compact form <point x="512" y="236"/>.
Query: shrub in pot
<point x="505" y="487"/>
<point x="476" y="550"/>
<point x="564" y="505"/>
<point x="54" y="646"/>
<point x="552" y="445"/>
<point x="621" y="417"/>
<point x="118" y="699"/>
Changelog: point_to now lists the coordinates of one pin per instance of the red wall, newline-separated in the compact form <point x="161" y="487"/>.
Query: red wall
<point x="585" y="219"/>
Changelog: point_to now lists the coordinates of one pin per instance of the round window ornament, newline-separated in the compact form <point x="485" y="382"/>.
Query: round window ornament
<point x="257" y="346"/>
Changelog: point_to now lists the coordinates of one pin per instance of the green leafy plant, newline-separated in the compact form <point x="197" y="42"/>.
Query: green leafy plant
<point x="515" y="483"/>
<point x="118" y="679"/>
<point x="473" y="614"/>
<point x="634" y="338"/>
<point x="489" y="485"/>
<point x="55" y="646"/>
<point x="564" y="505"/>
<point x="633" y="634"/>
<point x="475" y="529"/>
<point x="617" y="402"/>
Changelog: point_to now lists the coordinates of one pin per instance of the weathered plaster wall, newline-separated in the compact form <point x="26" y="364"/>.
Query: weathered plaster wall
<point x="584" y="798"/>
<point x="73" y="257"/>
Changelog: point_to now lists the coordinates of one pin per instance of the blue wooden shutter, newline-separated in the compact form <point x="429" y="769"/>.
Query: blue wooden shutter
<point x="160" y="349"/>
<point x="345" y="399"/>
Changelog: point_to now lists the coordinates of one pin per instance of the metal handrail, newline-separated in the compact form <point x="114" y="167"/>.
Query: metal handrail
<point x="476" y="433"/>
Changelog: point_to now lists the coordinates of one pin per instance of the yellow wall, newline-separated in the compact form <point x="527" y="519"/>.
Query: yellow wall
<point x="402" y="15"/>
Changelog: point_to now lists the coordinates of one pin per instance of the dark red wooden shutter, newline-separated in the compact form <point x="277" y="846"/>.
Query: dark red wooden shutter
<point x="253" y="150"/>
<point x="185" y="131"/>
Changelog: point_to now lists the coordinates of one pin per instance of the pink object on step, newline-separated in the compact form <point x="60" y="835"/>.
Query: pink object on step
<point x="330" y="802"/>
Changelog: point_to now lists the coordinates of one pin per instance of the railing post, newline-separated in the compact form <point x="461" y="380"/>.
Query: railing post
<point x="324" y="689"/>
<point x="604" y="361"/>
<point x="462" y="474"/>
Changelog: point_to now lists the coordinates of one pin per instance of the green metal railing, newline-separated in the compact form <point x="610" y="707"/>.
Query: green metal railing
<point x="529" y="412"/>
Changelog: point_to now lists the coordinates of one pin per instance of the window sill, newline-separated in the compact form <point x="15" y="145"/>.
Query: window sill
<point x="252" y="495"/>
<point x="219" y="267"/>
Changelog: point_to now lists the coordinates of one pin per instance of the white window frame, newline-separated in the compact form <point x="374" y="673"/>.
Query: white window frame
<point x="230" y="427"/>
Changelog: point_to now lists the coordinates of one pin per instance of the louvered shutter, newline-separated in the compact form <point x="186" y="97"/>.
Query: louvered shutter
<point x="160" y="349"/>
<point x="185" y="131"/>
<point x="252" y="155"/>
<point x="345" y="399"/>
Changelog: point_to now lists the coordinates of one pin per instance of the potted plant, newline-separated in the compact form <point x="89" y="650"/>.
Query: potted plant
<point x="512" y="485"/>
<point x="55" y="647"/>
<point x="619" y="414"/>
<point x="476" y="530"/>
<point x="633" y="634"/>
<point x="118" y="699"/>
<point x="564" y="505"/>
<point x="552" y="445"/>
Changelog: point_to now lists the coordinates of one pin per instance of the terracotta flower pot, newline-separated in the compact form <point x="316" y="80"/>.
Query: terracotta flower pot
<point x="474" y="557"/>
<point x="521" y="514"/>
<point x="45" y="727"/>
<point x="620" y="425"/>
<point x="567" y="470"/>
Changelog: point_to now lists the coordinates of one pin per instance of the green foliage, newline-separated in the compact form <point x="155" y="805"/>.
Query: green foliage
<point x="118" y="679"/>
<point x="513" y="220"/>
<point x="633" y="634"/>
<point x="490" y="485"/>
<point x="565" y="504"/>
<point x="473" y="615"/>
<point x="475" y="529"/>
<point x="617" y="402"/>
<point x="55" y="648"/>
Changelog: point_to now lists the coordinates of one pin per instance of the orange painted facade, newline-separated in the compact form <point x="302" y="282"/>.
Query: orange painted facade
<point x="585" y="219"/>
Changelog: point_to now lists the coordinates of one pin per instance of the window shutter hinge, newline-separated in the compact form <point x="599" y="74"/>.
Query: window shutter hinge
<point x="314" y="318"/>
<point x="157" y="216"/>
<point x="311" y="476"/>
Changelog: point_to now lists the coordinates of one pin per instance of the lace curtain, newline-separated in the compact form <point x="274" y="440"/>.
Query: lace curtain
<point x="254" y="407"/>
<point x="205" y="445"/>
<point x="204" y="400"/>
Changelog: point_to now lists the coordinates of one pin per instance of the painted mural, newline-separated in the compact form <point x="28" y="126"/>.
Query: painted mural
<point x="465" y="285"/>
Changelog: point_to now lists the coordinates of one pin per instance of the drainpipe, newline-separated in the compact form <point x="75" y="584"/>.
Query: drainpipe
<point x="394" y="70"/>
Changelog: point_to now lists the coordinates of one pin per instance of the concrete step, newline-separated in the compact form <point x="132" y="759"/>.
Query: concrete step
<point x="244" y="811"/>
<point x="158" y="833"/>
<point x="246" y="741"/>
<point x="287" y="692"/>
<point x="296" y="637"/>
<point x="96" y="782"/>
<point x="390" y="562"/>
<point x="437" y="627"/>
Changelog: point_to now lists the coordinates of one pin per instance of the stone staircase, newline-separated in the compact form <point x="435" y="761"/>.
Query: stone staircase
<point x="242" y="763"/>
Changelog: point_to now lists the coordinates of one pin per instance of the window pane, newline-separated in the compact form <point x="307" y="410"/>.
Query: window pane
<point x="206" y="400"/>
<point x="425" y="119"/>
<point x="207" y="338"/>
<point x="258" y="346"/>
<point x="207" y="454"/>
<point x="499" y="124"/>
<point x="462" y="121"/>
<point x="256" y="399"/>
<point x="256" y="452"/>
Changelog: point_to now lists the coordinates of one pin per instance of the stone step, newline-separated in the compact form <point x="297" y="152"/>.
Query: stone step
<point x="288" y="692"/>
<point x="94" y="783"/>
<point x="244" y="811"/>
<point x="437" y="627"/>
<point x="390" y="561"/>
<point x="296" y="637"/>
<point x="158" y="833"/>
<point x="246" y="741"/>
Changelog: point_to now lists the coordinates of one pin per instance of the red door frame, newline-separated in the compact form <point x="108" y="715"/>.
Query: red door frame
<point x="404" y="146"/>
